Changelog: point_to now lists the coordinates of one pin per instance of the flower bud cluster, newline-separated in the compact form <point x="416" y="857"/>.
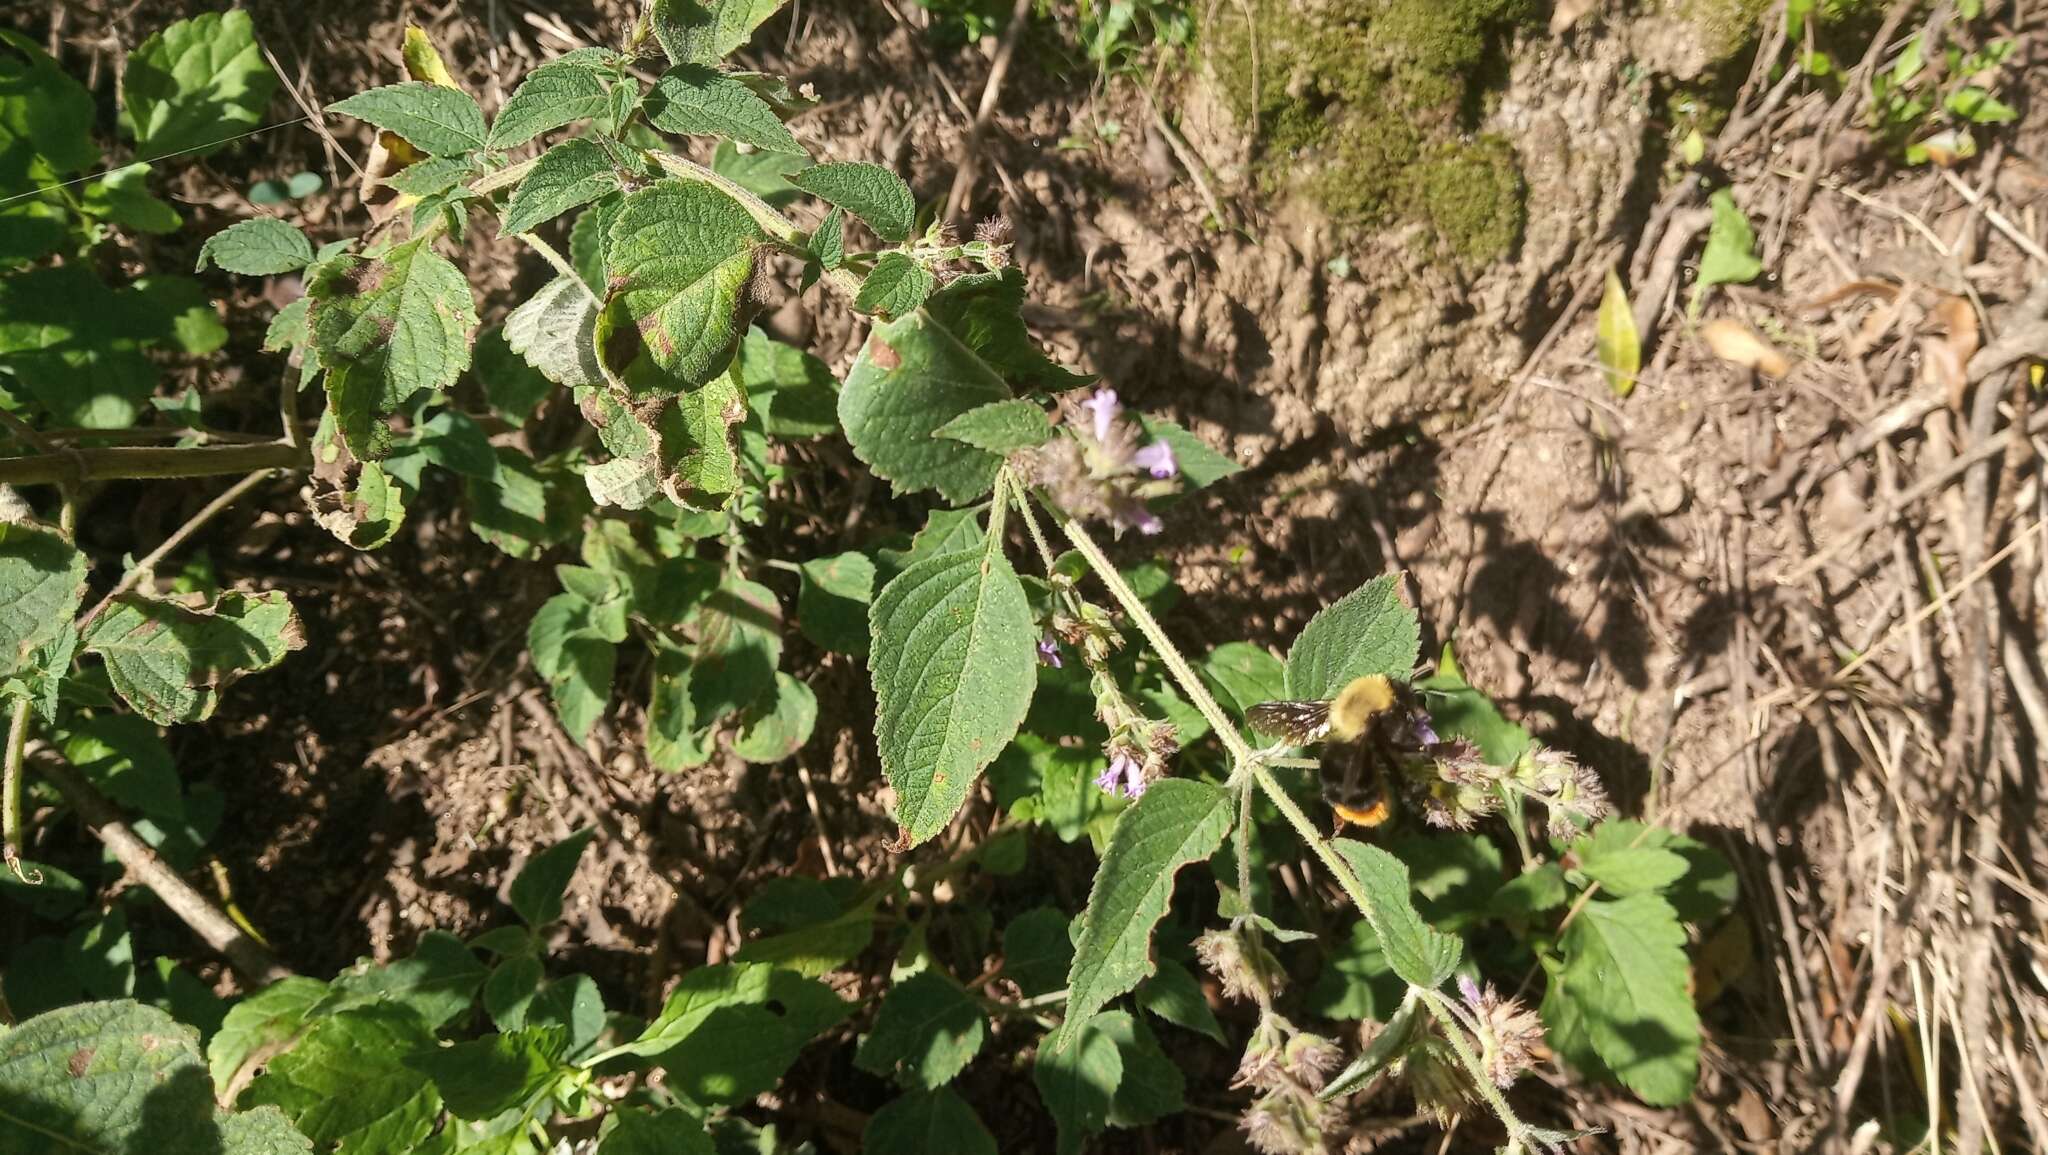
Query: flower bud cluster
<point x="1099" y="471"/>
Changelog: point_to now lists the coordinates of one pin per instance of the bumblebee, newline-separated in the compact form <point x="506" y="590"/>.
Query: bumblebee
<point x="1371" y="729"/>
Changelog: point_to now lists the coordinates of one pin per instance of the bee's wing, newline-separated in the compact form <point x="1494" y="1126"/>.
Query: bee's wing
<point x="1299" y="723"/>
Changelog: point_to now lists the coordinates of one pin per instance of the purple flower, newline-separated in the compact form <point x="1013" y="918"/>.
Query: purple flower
<point x="1425" y="733"/>
<point x="1104" y="407"/>
<point x="1156" y="459"/>
<point x="1049" y="651"/>
<point x="1126" y="776"/>
<point x="1469" y="989"/>
<point x="1148" y="524"/>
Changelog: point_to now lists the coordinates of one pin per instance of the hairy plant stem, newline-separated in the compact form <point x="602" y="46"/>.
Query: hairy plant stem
<point x="10" y="792"/>
<point x="74" y="467"/>
<point x="1251" y="763"/>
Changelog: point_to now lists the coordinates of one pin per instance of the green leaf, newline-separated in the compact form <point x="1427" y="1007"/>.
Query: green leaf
<point x="537" y="890"/>
<point x="387" y="329"/>
<point x="1000" y="427"/>
<point x="115" y="1078"/>
<point x="794" y="392"/>
<point x="813" y="947"/>
<point x="1355" y="981"/>
<point x="926" y="1031"/>
<point x="693" y="100"/>
<point x="511" y="989"/>
<point x="64" y="337"/>
<point x="1978" y="106"/>
<point x="573" y="1004"/>
<point x="1038" y="950"/>
<point x="759" y="172"/>
<point x="1077" y="1073"/>
<point x="827" y="242"/>
<point x="1200" y="465"/>
<point x="344" y="1083"/>
<point x="436" y="985"/>
<point x="1390" y="1044"/>
<point x="739" y="645"/>
<point x="1624" y="976"/>
<point x="1174" y="994"/>
<point x="671" y="1132"/>
<point x="868" y="191"/>
<point x="1245" y="675"/>
<point x="1730" y="256"/>
<point x="1619" y="349"/>
<point x="432" y="176"/>
<point x="784" y="729"/>
<point x="436" y="120"/>
<point x="42" y="582"/>
<point x="728" y="1032"/>
<point x="953" y="666"/>
<point x="193" y="87"/>
<point x="897" y="285"/>
<point x="936" y="1122"/>
<point x="122" y="196"/>
<point x="1422" y="956"/>
<point x="569" y="175"/>
<point x="1152" y="1086"/>
<point x="489" y="1076"/>
<point x="262" y="1021"/>
<point x="557" y="93"/>
<point x="513" y="387"/>
<point x="573" y="655"/>
<point x="1624" y="860"/>
<point x="674" y="740"/>
<point x="679" y="257"/>
<point x="171" y="663"/>
<point x="1529" y="893"/>
<point x="706" y="31"/>
<point x="176" y="313"/>
<point x="832" y="604"/>
<point x="1367" y="631"/>
<point x="46" y="116"/>
<point x="1178" y="821"/>
<point x="556" y="331"/>
<point x="1456" y="710"/>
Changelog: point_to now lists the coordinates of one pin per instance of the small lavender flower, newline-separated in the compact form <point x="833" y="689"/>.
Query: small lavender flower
<point x="1110" y="780"/>
<point x="1468" y="990"/>
<point x="1103" y="407"/>
<point x="1125" y="776"/>
<point x="1049" y="651"/>
<point x="1425" y="731"/>
<point x="1156" y="459"/>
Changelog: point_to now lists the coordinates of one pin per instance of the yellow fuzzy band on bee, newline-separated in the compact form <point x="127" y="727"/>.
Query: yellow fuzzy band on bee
<point x="1358" y="704"/>
<point x="1371" y="815"/>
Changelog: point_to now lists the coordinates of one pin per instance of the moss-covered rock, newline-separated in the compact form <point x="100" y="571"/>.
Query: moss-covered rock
<point x="1365" y="106"/>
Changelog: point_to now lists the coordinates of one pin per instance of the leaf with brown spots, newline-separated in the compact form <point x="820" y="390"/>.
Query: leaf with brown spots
<point x="679" y="260"/>
<point x="170" y="662"/>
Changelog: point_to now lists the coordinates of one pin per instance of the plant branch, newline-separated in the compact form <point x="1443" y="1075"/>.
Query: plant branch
<point x="251" y="959"/>
<point x="10" y="791"/>
<point x="78" y="466"/>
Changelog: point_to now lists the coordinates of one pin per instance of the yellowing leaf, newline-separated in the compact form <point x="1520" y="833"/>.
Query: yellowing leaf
<point x="1620" y="349"/>
<point x="422" y="61"/>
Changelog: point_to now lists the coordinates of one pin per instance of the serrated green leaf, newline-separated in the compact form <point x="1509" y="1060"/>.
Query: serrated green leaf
<point x="1152" y="1086"/>
<point x="191" y="88"/>
<point x="678" y="257"/>
<point x="569" y="175"/>
<point x="513" y="386"/>
<point x="486" y="1077"/>
<point x="706" y="31"/>
<point x="537" y="890"/>
<point x="257" y="248"/>
<point x="436" y="120"/>
<point x="671" y="1132"/>
<point x="556" y="331"/>
<point x="674" y="740"/>
<point x="344" y="1083"/>
<point x="1531" y="892"/>
<point x="588" y="238"/>
<point x="64" y="336"/>
<point x="1367" y="631"/>
<point x="1000" y="427"/>
<point x="528" y="507"/>
<point x="694" y="100"/>
<point x="1177" y="822"/>
<point x="1200" y="466"/>
<point x="1392" y="1042"/>
<point x="794" y="392"/>
<point x="1077" y="1074"/>
<point x="510" y="990"/>
<point x="926" y="1031"/>
<point x="574" y="1004"/>
<point x="832" y="604"/>
<point x="728" y="1032"/>
<point x="1623" y="860"/>
<point x="954" y="666"/>
<point x="47" y="117"/>
<point x="1422" y="956"/>
<point x="1355" y="981"/>
<point x="815" y="948"/>
<point x="436" y="984"/>
<point x="1624" y="978"/>
<point x="699" y="451"/>
<point x="557" y="93"/>
<point x="827" y="242"/>
<point x="1174" y="994"/>
<point x="263" y="1131"/>
<point x="784" y="729"/>
<point x="171" y="663"/>
<point x="895" y="287"/>
<point x="1619" y="348"/>
<point x="433" y="176"/>
<point x="868" y="191"/>
<point x="1730" y="256"/>
<point x="739" y="645"/>
<point x="937" y="1122"/>
<point x="42" y="582"/>
<point x="386" y="330"/>
<point x="1038" y="950"/>
<point x="1244" y="675"/>
<point x="261" y="1021"/>
<point x="575" y="659"/>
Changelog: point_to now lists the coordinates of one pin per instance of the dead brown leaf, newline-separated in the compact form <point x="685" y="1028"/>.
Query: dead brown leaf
<point x="1738" y="344"/>
<point x="1944" y="359"/>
